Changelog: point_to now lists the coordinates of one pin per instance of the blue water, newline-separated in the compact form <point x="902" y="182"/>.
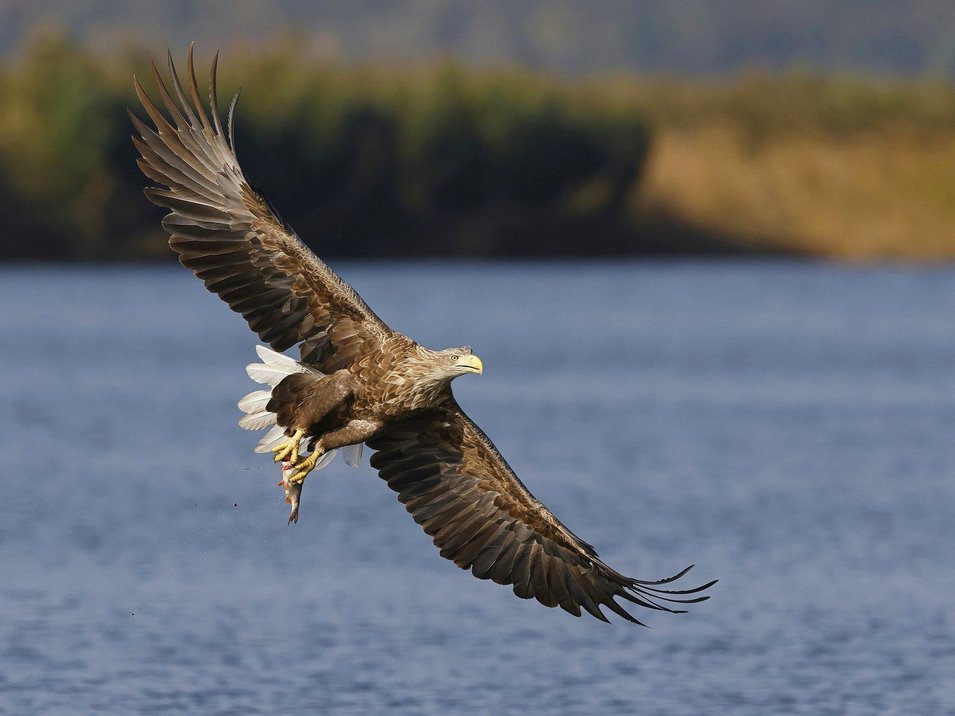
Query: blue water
<point x="790" y="428"/>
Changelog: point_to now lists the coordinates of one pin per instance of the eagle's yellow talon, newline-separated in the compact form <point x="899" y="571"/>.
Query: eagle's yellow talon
<point x="288" y="449"/>
<point x="305" y="466"/>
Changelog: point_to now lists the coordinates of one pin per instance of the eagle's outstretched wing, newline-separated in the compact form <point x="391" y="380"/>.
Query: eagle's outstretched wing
<point x="228" y="235"/>
<point x="457" y="486"/>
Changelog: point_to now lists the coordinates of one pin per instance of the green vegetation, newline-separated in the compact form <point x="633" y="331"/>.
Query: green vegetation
<point x="433" y="162"/>
<point x="437" y="160"/>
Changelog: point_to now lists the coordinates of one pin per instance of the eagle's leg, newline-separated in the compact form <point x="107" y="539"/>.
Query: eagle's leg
<point x="302" y="400"/>
<point x="287" y="450"/>
<point x="356" y="431"/>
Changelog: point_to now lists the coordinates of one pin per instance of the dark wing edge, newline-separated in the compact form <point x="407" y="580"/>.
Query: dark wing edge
<point x="456" y="485"/>
<point x="228" y="235"/>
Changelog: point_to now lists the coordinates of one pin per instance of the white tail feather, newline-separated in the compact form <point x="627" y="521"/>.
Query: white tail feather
<point x="271" y="371"/>
<point x="279" y="360"/>
<point x="272" y="438"/>
<point x="255" y="401"/>
<point x="275" y="367"/>
<point x="325" y="459"/>
<point x="257" y="421"/>
<point x="351" y="454"/>
<point x="267" y="374"/>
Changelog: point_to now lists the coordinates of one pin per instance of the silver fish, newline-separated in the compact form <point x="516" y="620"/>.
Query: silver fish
<point x="293" y="490"/>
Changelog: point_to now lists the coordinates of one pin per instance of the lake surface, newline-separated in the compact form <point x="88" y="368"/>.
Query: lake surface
<point x="790" y="428"/>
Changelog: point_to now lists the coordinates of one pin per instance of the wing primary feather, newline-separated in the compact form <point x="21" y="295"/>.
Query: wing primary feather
<point x="556" y="584"/>
<point x="177" y="86"/>
<point x="521" y="573"/>
<point x="484" y="561"/>
<point x="571" y="605"/>
<point x="232" y="106"/>
<point x="168" y="169"/>
<point x="173" y="139"/>
<point x="578" y="589"/>
<point x="679" y="591"/>
<point x="188" y="208"/>
<point x="194" y="92"/>
<point x="644" y="601"/>
<point x="667" y="580"/>
<point x="539" y="581"/>
<point x="154" y="114"/>
<point x="214" y="99"/>
<point x="504" y="564"/>
<point x="164" y="95"/>
<point x="621" y="612"/>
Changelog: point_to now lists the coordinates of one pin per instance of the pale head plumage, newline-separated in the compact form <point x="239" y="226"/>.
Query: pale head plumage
<point x="434" y="370"/>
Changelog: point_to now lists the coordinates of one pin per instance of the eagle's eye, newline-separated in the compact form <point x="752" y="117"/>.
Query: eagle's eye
<point x="455" y="358"/>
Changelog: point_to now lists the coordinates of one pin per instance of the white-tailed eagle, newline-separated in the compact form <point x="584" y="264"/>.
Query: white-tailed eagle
<point x="357" y="381"/>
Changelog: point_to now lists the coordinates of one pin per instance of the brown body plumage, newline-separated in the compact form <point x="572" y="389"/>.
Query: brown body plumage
<point x="357" y="380"/>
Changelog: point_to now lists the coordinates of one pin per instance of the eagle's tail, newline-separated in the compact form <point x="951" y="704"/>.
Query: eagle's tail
<point x="273" y="369"/>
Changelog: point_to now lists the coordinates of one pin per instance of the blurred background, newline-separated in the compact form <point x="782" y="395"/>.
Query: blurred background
<point x="501" y="128"/>
<point x="784" y="423"/>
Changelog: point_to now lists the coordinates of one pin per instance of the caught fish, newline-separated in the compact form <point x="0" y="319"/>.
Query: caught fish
<point x="293" y="490"/>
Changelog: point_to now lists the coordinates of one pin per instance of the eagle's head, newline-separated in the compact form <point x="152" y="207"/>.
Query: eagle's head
<point x="435" y="369"/>
<point x="458" y="361"/>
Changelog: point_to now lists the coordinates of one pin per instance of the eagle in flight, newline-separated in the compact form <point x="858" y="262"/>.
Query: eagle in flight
<point x="357" y="381"/>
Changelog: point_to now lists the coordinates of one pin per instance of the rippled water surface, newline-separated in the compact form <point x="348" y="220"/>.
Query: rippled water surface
<point x="789" y="428"/>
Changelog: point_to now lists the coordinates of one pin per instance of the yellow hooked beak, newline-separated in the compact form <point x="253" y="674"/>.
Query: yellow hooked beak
<point x="472" y="364"/>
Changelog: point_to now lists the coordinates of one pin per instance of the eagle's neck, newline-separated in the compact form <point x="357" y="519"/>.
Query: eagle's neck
<point x="426" y="379"/>
<point x="429" y="394"/>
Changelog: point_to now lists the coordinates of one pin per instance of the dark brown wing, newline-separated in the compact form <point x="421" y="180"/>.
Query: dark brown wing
<point x="457" y="486"/>
<point x="231" y="239"/>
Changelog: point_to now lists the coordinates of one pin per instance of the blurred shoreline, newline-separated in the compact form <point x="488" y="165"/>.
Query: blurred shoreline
<point x="433" y="160"/>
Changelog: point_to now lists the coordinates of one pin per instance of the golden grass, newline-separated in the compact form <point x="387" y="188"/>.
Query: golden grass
<point x="831" y="166"/>
<point x="868" y="195"/>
